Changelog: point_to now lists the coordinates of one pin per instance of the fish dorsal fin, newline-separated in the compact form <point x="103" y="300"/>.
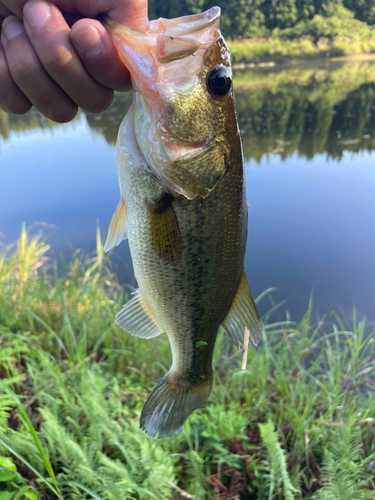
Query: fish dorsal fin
<point x="243" y="313"/>
<point x="136" y="318"/>
<point x="117" y="227"/>
<point x="164" y="231"/>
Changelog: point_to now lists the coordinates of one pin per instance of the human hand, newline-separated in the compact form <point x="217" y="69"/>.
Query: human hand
<point x="57" y="68"/>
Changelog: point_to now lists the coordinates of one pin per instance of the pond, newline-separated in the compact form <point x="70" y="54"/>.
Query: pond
<point x="309" y="141"/>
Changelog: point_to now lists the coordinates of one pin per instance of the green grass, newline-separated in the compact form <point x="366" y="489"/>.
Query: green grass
<point x="280" y="50"/>
<point x="297" y="423"/>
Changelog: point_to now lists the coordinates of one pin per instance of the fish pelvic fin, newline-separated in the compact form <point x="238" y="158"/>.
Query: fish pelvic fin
<point x="171" y="403"/>
<point x="136" y="318"/>
<point x="243" y="313"/>
<point x="117" y="227"/>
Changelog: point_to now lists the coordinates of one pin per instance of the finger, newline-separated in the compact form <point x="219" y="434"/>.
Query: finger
<point x="30" y="76"/>
<point x="12" y="100"/>
<point x="97" y="52"/>
<point x="50" y="36"/>
<point x="4" y="12"/>
<point x="133" y="13"/>
<point x="13" y="7"/>
<point x="130" y="12"/>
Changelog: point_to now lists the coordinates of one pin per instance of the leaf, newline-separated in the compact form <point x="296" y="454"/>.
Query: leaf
<point x="6" y="475"/>
<point x="6" y="495"/>
<point x="24" y="492"/>
<point x="200" y="343"/>
<point x="43" y="454"/>
<point x="86" y="490"/>
<point x="7" y="463"/>
<point x="30" y="495"/>
<point x="7" y="447"/>
<point x="128" y="488"/>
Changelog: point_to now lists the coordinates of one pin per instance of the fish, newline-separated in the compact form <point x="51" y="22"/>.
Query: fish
<point x="182" y="206"/>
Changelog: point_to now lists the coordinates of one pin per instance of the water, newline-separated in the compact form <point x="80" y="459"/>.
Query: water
<point x="309" y="141"/>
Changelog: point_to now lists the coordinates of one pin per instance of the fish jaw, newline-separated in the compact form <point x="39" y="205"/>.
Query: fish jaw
<point x="168" y="67"/>
<point x="167" y="41"/>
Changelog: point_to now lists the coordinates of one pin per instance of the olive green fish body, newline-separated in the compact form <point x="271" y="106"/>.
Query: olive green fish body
<point x="189" y="291"/>
<point x="184" y="209"/>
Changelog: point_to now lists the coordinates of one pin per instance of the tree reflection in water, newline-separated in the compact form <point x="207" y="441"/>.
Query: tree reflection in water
<point x="307" y="111"/>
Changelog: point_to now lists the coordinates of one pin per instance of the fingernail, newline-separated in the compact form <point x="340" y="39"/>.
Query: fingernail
<point x="37" y="13"/>
<point x="87" y="39"/>
<point x="12" y="27"/>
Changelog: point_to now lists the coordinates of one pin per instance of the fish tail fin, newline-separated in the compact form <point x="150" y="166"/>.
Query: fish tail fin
<point x="171" y="403"/>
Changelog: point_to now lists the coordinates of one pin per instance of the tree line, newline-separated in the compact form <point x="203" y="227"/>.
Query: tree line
<point x="258" y="18"/>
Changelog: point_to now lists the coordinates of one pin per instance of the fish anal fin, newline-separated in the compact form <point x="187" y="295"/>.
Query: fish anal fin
<point x="164" y="231"/>
<point x="171" y="403"/>
<point x="243" y="313"/>
<point x="136" y="318"/>
<point x="117" y="227"/>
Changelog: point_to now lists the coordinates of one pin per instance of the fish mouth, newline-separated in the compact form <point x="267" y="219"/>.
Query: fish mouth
<point x="185" y="25"/>
<point x="166" y="40"/>
<point x="153" y="58"/>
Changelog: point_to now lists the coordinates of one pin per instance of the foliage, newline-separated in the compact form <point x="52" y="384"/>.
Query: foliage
<point x="342" y="23"/>
<point x="278" y="481"/>
<point x="344" y="465"/>
<point x="247" y="18"/>
<point x="298" y="422"/>
<point x="269" y="26"/>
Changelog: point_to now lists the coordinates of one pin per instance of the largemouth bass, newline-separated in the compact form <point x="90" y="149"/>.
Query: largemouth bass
<point x="183" y="206"/>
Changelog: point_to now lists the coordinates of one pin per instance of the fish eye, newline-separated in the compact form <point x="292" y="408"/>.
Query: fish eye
<point x="219" y="81"/>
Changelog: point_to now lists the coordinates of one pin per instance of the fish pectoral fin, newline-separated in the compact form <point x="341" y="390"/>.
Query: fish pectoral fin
<point x="136" y="318"/>
<point x="164" y="231"/>
<point x="117" y="227"/>
<point x="243" y="313"/>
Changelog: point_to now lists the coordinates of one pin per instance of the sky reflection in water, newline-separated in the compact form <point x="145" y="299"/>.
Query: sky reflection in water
<point x="309" y="138"/>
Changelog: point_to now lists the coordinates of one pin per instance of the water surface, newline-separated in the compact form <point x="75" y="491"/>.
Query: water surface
<point x="309" y="141"/>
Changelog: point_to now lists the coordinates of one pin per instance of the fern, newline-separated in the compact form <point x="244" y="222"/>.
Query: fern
<point x="195" y="468"/>
<point x="344" y="471"/>
<point x="280" y="484"/>
<point x="87" y="430"/>
<point x="8" y="356"/>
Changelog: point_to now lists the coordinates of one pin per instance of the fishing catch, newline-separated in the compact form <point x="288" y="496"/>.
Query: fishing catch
<point x="183" y="206"/>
